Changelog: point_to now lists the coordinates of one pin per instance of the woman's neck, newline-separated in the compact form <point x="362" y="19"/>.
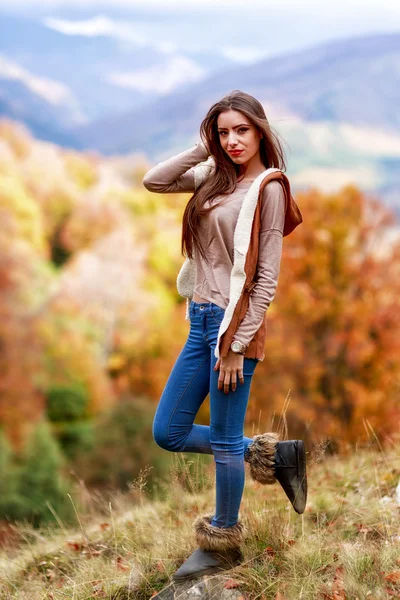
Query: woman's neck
<point x="251" y="172"/>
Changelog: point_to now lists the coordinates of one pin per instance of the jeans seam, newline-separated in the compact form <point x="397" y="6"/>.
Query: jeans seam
<point x="216" y="318"/>
<point x="228" y="495"/>
<point x="181" y="396"/>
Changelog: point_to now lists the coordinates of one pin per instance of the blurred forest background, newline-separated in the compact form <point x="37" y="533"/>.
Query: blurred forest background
<point x="90" y="98"/>
<point x="88" y="268"/>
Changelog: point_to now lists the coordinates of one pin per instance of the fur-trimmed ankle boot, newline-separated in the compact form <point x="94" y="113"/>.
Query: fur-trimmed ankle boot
<point x="272" y="460"/>
<point x="219" y="549"/>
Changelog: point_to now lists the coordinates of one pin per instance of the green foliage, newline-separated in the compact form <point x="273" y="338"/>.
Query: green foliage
<point x="74" y="436"/>
<point x="59" y="253"/>
<point x="67" y="409"/>
<point x="123" y="445"/>
<point x="29" y="484"/>
<point x="11" y="504"/>
<point x="41" y="482"/>
<point x="67" y="402"/>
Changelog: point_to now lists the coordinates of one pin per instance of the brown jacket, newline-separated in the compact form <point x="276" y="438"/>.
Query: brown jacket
<point x="293" y="218"/>
<point x="244" y="270"/>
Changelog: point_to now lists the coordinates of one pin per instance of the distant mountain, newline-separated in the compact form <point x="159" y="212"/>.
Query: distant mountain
<point x="354" y="81"/>
<point x="44" y="119"/>
<point x="337" y="105"/>
<point x="105" y="84"/>
<point x="107" y="64"/>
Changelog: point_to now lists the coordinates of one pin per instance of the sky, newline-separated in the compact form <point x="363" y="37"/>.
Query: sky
<point x="363" y="5"/>
<point x="262" y="28"/>
<point x="245" y="30"/>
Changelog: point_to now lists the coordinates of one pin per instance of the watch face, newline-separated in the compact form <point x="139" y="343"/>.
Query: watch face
<point x="236" y="346"/>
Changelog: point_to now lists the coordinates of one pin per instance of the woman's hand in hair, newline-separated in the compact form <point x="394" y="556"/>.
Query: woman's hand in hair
<point x="230" y="371"/>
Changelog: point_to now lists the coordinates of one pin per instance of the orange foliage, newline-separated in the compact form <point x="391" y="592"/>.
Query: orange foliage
<point x="333" y="331"/>
<point x="21" y="404"/>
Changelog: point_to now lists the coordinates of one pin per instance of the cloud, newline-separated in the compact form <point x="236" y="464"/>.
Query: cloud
<point x="161" y="79"/>
<point x="88" y="28"/>
<point x="128" y="32"/>
<point x="221" y="5"/>
<point x="100" y="25"/>
<point x="241" y="54"/>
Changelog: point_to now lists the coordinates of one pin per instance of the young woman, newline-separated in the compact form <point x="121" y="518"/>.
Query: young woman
<point x="247" y="165"/>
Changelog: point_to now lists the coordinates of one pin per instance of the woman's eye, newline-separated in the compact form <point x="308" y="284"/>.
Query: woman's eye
<point x="241" y="129"/>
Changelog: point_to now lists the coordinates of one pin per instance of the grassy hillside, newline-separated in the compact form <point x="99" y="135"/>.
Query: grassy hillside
<point x="345" y="546"/>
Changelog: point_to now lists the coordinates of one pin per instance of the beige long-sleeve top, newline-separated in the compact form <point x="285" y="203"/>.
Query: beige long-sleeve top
<point x="216" y="229"/>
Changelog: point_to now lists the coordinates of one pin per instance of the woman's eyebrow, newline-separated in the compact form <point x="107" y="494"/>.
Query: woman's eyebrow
<point x="235" y="127"/>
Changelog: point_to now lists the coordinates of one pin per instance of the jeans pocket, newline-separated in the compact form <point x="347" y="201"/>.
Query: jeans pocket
<point x="249" y="365"/>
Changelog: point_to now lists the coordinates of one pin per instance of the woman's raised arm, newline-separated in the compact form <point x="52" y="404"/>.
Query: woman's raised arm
<point x="176" y="173"/>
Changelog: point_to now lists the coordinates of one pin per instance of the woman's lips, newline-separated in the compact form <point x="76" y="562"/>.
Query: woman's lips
<point x="236" y="152"/>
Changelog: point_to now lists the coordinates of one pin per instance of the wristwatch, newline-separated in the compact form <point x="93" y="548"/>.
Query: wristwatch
<point x="238" y="347"/>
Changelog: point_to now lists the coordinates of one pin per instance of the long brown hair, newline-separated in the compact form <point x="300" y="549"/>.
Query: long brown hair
<point x="223" y="180"/>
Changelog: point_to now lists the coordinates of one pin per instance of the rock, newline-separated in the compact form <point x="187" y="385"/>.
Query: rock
<point x="208" y="587"/>
<point x="191" y="590"/>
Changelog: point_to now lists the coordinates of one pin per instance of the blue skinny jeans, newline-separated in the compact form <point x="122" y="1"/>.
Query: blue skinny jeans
<point x="189" y="383"/>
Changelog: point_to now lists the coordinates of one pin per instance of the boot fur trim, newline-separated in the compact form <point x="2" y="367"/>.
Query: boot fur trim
<point x="210" y="537"/>
<point x="261" y="456"/>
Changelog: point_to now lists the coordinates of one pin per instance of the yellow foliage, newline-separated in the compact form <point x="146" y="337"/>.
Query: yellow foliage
<point x="17" y="137"/>
<point x="116" y="362"/>
<point x="81" y="170"/>
<point x="141" y="202"/>
<point x="14" y="199"/>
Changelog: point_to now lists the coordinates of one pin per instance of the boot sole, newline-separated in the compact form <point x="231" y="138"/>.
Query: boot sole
<point x="208" y="571"/>
<point x="199" y="574"/>
<point x="302" y="470"/>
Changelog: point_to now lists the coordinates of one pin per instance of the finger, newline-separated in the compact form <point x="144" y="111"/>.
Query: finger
<point x="241" y="378"/>
<point x="227" y="382"/>
<point x="221" y="380"/>
<point x="233" y="381"/>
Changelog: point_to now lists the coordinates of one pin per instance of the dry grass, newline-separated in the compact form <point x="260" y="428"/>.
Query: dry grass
<point x="345" y="546"/>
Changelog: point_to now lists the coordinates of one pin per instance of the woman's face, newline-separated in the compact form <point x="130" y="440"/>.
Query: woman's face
<point x="236" y="132"/>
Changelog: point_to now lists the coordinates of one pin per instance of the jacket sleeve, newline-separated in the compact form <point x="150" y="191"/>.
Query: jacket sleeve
<point x="270" y="252"/>
<point x="176" y="174"/>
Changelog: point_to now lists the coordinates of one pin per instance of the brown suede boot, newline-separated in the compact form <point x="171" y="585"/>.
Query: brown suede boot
<point x="219" y="549"/>
<point x="272" y="460"/>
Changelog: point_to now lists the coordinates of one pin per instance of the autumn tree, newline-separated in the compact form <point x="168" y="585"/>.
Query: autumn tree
<point x="333" y="330"/>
